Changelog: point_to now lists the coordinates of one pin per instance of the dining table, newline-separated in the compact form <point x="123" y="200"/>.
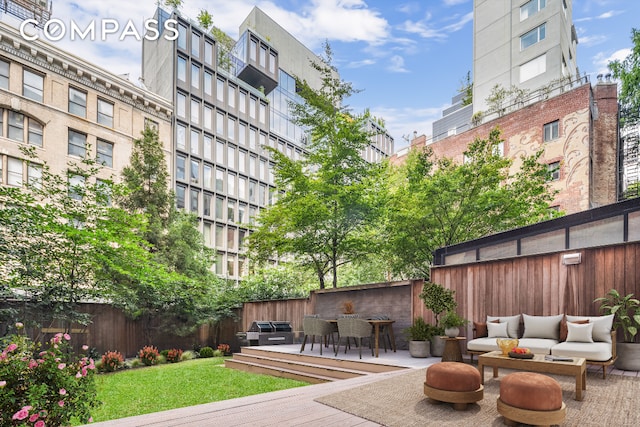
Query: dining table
<point x="378" y="324"/>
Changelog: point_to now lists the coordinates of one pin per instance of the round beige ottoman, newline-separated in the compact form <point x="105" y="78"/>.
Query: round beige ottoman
<point x="453" y="382"/>
<point x="530" y="398"/>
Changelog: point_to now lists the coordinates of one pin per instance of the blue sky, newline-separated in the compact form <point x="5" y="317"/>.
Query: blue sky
<point x="408" y="57"/>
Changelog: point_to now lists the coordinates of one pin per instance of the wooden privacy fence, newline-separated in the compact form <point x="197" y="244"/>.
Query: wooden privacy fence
<point x="542" y="284"/>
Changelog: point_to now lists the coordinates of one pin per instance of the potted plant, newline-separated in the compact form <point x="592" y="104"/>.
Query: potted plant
<point x="626" y="316"/>
<point x="419" y="335"/>
<point x="451" y="323"/>
<point x="438" y="299"/>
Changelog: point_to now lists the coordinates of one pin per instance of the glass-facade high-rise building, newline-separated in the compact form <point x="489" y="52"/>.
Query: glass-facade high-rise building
<point x="231" y="103"/>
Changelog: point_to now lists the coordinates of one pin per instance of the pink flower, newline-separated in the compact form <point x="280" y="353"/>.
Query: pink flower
<point x="67" y="337"/>
<point x="2" y="384"/>
<point x="90" y="420"/>
<point x="78" y="375"/>
<point x="33" y="364"/>
<point x="61" y="403"/>
<point x="11" y="347"/>
<point x="22" y="413"/>
<point x="40" y="423"/>
<point x="62" y="392"/>
<point x="19" y="325"/>
<point x="85" y="347"/>
<point x="61" y="366"/>
<point x="33" y="418"/>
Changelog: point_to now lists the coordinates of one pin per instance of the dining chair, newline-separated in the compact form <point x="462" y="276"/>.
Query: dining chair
<point x="313" y="326"/>
<point x="356" y="328"/>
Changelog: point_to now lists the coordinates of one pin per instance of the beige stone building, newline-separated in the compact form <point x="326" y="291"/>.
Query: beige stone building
<point x="68" y="108"/>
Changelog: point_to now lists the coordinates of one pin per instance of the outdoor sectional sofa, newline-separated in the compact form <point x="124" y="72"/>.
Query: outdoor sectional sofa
<point x="590" y="337"/>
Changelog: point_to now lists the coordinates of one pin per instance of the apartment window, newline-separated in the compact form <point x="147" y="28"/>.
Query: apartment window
<point x="180" y="190"/>
<point x="531" y="7"/>
<point x="105" y="153"/>
<point x="207" y="176"/>
<point x="195" y="76"/>
<point x="231" y="156"/>
<point x="32" y="85"/>
<point x="241" y="213"/>
<point x="554" y="171"/>
<point x="76" y="186"/>
<point x="253" y="47"/>
<point x="1" y="172"/>
<point x="263" y="113"/>
<point x="252" y="107"/>
<point x="14" y="172"/>
<point x="242" y="102"/>
<point x="263" y="57"/>
<point x="208" y="53"/>
<point x="34" y="135"/>
<point x="195" y="45"/>
<point x="182" y="69"/>
<point x="219" y="180"/>
<point x="208" y="118"/>
<point x="220" y="123"/>
<point x="533" y="68"/>
<point x="208" y="146"/>
<point x="207" y="231"/>
<point x="181" y="105"/>
<point x="242" y="188"/>
<point x="532" y="37"/>
<point x="220" y="152"/>
<point x="206" y="211"/>
<point x="4" y="74"/>
<point x="231" y="184"/>
<point x="252" y="139"/>
<point x="181" y="167"/>
<point x="231" y="96"/>
<point x="105" y="112"/>
<point x="252" y="192"/>
<point x="551" y="131"/>
<point x="195" y="142"/>
<point x="231" y="271"/>
<point x="231" y="128"/>
<point x="193" y="201"/>
<point x="195" y="111"/>
<point x="34" y="175"/>
<point x="272" y="63"/>
<point x="181" y="137"/>
<point x="77" y="102"/>
<point x="242" y="134"/>
<point x="195" y="171"/>
<point x="220" y="90"/>
<point x="77" y="144"/>
<point x="242" y="161"/>
<point x="219" y="265"/>
<point x="231" y="214"/>
<point x="16" y="126"/>
<point x="182" y="37"/>
<point x="220" y="236"/>
<point x="219" y="211"/>
<point x="208" y="82"/>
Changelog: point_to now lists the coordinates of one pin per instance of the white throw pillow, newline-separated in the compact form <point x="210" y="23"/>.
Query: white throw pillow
<point x="497" y="330"/>
<point x="601" y="326"/>
<point x="513" y="324"/>
<point x="542" y="326"/>
<point x="579" y="332"/>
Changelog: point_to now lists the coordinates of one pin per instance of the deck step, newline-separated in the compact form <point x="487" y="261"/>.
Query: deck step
<point x="302" y="367"/>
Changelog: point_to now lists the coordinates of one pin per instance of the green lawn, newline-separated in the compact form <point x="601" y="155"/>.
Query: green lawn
<point x="158" y="388"/>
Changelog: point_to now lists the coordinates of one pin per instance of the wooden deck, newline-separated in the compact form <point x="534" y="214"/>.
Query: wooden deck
<point x="293" y="407"/>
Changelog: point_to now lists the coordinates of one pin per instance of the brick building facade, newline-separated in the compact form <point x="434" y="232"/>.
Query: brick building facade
<point x="578" y="130"/>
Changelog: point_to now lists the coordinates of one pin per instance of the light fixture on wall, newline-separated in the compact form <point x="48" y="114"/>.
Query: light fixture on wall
<point x="570" y="259"/>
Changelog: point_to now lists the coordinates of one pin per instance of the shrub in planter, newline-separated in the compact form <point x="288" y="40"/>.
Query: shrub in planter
<point x="174" y="355"/>
<point x="148" y="355"/>
<point x="206" y="352"/>
<point x="112" y="361"/>
<point x="44" y="386"/>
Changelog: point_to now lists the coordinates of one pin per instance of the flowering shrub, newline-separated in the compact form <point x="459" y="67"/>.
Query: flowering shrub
<point x="174" y="355"/>
<point x="224" y="348"/>
<point x="148" y="355"/>
<point x="112" y="361"/>
<point x="44" y="388"/>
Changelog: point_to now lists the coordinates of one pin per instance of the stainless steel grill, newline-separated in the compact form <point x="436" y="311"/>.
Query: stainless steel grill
<point x="263" y="332"/>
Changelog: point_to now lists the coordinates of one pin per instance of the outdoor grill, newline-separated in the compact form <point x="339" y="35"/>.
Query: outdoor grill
<point x="262" y="332"/>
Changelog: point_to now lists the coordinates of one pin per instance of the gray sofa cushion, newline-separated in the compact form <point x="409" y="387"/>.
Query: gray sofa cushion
<point x="538" y="345"/>
<point x="601" y="326"/>
<point x="542" y="326"/>
<point x="513" y="323"/>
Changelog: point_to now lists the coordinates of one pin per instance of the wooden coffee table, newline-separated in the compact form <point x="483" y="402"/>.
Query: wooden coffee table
<point x="577" y="367"/>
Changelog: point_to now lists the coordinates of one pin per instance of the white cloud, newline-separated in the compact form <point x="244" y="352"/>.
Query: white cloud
<point x="362" y="63"/>
<point x="406" y="121"/>
<point x="453" y="2"/>
<point x="396" y="64"/>
<point x="601" y="60"/>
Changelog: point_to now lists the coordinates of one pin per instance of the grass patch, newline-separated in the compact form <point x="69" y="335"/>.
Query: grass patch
<point x="175" y="385"/>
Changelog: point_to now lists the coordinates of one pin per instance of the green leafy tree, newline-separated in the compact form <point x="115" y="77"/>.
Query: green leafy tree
<point x="628" y="72"/>
<point x="328" y="203"/>
<point x="435" y="203"/>
<point x="205" y="19"/>
<point x="61" y="239"/>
